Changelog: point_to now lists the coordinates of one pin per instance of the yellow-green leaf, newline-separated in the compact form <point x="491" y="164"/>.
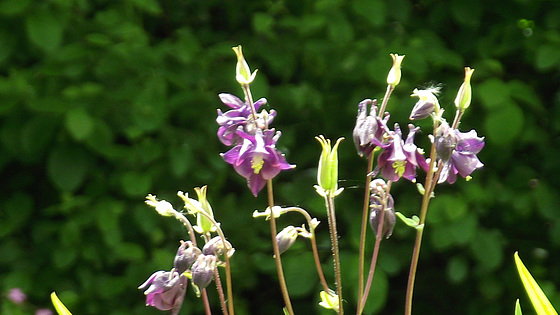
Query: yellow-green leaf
<point x="540" y="302"/>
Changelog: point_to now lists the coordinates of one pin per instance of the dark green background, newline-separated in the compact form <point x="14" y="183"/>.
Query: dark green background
<point x="103" y="102"/>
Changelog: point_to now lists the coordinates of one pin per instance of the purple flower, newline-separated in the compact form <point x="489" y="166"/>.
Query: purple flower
<point x="203" y="270"/>
<point x="458" y="151"/>
<point x="239" y="116"/>
<point x="257" y="158"/>
<point x="401" y="158"/>
<point x="17" y="296"/>
<point x="186" y="256"/>
<point x="370" y="130"/>
<point x="43" y="311"/>
<point x="166" y="290"/>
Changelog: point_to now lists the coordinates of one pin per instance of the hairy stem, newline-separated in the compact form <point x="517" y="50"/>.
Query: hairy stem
<point x="365" y="215"/>
<point x="429" y="187"/>
<point x="273" y="232"/>
<point x="329" y="199"/>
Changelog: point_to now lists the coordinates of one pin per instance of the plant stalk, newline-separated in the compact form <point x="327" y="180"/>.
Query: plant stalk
<point x="329" y="200"/>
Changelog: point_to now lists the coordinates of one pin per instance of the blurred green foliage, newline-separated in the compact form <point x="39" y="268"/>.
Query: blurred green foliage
<point x="103" y="102"/>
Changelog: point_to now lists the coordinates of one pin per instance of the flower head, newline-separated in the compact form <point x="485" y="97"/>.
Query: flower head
<point x="401" y="158"/>
<point x="216" y="247"/>
<point x="370" y="130"/>
<point x="203" y="270"/>
<point x="17" y="296"/>
<point x="427" y="103"/>
<point x="458" y="151"/>
<point x="186" y="255"/>
<point x="257" y="158"/>
<point x="166" y="290"/>
<point x="240" y="117"/>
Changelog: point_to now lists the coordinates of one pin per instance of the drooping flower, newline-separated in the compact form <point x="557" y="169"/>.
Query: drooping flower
<point x="458" y="151"/>
<point x="166" y="290"/>
<point x="216" y="247"/>
<point x="257" y="158"/>
<point x="427" y="103"/>
<point x="381" y="201"/>
<point x="370" y="130"/>
<point x="286" y="238"/>
<point x="240" y="116"/>
<point x="401" y="158"/>
<point x="186" y="255"/>
<point x="203" y="270"/>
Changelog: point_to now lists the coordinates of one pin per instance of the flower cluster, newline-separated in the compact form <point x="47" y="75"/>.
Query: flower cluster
<point x="253" y="153"/>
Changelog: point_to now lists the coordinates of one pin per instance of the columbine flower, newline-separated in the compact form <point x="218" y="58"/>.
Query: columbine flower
<point x="186" y="255"/>
<point x="240" y="116"/>
<point x="286" y="238"/>
<point x="166" y="290"/>
<point x="463" y="99"/>
<point x="198" y="207"/>
<point x="327" y="172"/>
<point x="380" y="201"/>
<point x="401" y="158"/>
<point x="458" y="151"/>
<point x="394" y="76"/>
<point x="370" y="129"/>
<point x="215" y="246"/>
<point x="203" y="270"/>
<point x="243" y="73"/>
<point x="427" y="103"/>
<point x="257" y="158"/>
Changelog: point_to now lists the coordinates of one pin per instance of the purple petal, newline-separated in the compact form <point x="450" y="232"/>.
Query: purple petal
<point x="231" y="100"/>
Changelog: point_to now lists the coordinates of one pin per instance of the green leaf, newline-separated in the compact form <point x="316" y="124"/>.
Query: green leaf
<point x="67" y="167"/>
<point x="412" y="222"/>
<point x="44" y="29"/>
<point x="60" y="308"/>
<point x="540" y="302"/>
<point x="79" y="123"/>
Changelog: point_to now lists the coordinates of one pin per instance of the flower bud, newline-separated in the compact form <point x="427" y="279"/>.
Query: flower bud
<point x="463" y="99"/>
<point x="243" y="74"/>
<point x="165" y="290"/>
<point x="286" y="238"/>
<point x="445" y="142"/>
<point x="329" y="301"/>
<point x="186" y="256"/>
<point x="327" y="173"/>
<point x="215" y="247"/>
<point x="394" y="76"/>
<point x="203" y="270"/>
<point x="426" y="105"/>
<point x="389" y="218"/>
<point x="162" y="207"/>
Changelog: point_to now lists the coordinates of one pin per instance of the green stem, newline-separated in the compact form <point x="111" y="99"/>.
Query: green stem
<point x="329" y="200"/>
<point x="273" y="232"/>
<point x="419" y="232"/>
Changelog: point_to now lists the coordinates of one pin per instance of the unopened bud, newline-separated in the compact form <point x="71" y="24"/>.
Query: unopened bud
<point x="394" y="76"/>
<point x="327" y="173"/>
<point x="426" y="105"/>
<point x="186" y="256"/>
<point x="215" y="246"/>
<point x="463" y="99"/>
<point x="389" y="217"/>
<point x="243" y="74"/>
<point x="203" y="270"/>
<point x="286" y="238"/>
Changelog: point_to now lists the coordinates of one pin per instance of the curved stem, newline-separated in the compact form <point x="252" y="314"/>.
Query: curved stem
<point x="430" y="176"/>
<point x="273" y="232"/>
<point x="228" y="265"/>
<point x="336" y="257"/>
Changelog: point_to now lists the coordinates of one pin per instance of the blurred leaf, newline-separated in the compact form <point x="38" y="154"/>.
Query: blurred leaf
<point x="149" y="6"/>
<point x="136" y="184"/>
<point x="547" y="57"/>
<point x="518" y="308"/>
<point x="500" y="133"/>
<point x="301" y="276"/>
<point x="14" y="7"/>
<point x="79" y="123"/>
<point x="60" y="308"/>
<point x="457" y="269"/>
<point x="67" y="167"/>
<point x="487" y="249"/>
<point x="44" y="29"/>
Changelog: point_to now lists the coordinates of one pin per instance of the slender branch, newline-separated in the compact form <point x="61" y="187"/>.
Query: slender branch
<point x="419" y="232"/>
<point x="365" y="215"/>
<point x="378" y="238"/>
<point x="329" y="199"/>
<point x="313" y="240"/>
<point x="277" y="259"/>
